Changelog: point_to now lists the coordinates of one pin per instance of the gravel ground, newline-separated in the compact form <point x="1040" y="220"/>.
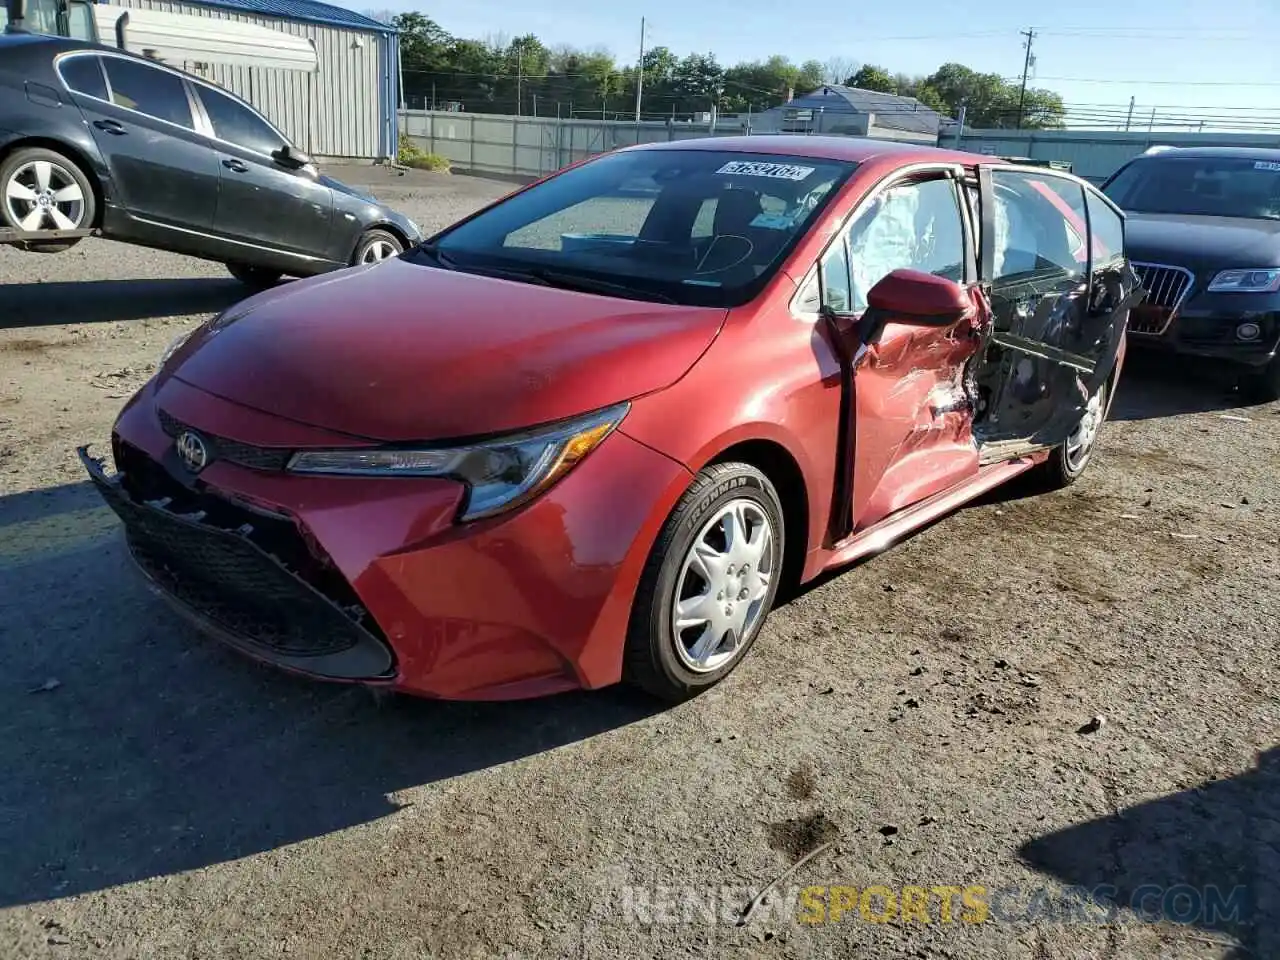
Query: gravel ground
<point x="161" y="797"/>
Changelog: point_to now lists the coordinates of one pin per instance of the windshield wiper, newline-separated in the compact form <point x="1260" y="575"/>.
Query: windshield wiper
<point x="433" y="252"/>
<point x="573" y="281"/>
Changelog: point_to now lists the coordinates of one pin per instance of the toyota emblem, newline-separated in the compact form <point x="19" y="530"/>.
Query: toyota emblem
<point x="192" y="451"/>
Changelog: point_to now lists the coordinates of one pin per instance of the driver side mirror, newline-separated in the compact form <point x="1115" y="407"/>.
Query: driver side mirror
<point x="291" y="158"/>
<point x="911" y="296"/>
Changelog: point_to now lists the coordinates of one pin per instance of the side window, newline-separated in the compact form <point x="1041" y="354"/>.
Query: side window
<point x="1107" y="228"/>
<point x="84" y="75"/>
<point x="913" y="226"/>
<point x="835" y="278"/>
<point x="1039" y="226"/>
<point x="233" y="123"/>
<point x="157" y="93"/>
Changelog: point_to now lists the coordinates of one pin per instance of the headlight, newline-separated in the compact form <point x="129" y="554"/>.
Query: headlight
<point x="174" y="345"/>
<point x="500" y="474"/>
<point x="1260" y="280"/>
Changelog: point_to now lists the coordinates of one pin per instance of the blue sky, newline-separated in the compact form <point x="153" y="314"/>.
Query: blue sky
<point x="1179" y="56"/>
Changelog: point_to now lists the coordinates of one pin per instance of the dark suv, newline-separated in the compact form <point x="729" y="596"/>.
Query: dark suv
<point x="95" y="138"/>
<point x="1203" y="233"/>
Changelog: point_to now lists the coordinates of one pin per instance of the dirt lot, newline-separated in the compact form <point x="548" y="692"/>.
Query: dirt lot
<point x="161" y="797"/>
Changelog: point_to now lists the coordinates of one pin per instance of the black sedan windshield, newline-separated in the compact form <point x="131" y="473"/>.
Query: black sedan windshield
<point x="1200" y="186"/>
<point x="686" y="226"/>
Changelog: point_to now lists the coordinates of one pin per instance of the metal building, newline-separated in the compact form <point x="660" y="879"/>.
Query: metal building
<point x="347" y="108"/>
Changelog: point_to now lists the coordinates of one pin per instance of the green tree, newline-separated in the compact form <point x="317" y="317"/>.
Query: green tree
<point x="872" y="77"/>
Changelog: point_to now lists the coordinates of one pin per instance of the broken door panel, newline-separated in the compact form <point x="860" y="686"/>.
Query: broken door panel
<point x="1054" y="336"/>
<point x="914" y="413"/>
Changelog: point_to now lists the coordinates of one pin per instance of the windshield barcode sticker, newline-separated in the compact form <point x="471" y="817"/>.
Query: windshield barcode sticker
<point x="1266" y="165"/>
<point x="754" y="168"/>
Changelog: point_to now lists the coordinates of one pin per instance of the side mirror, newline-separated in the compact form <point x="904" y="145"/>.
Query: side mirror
<point x="291" y="157"/>
<point x="911" y="296"/>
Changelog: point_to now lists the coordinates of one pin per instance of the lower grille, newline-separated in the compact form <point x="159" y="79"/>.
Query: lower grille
<point x="1167" y="288"/>
<point x="213" y="556"/>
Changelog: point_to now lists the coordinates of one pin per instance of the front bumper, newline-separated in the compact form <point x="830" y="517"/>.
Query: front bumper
<point x="1206" y="327"/>
<point x="533" y="602"/>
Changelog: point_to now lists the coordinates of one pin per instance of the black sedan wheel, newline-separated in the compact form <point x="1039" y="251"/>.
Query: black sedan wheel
<point x="376" y="246"/>
<point x="41" y="190"/>
<point x="259" y="278"/>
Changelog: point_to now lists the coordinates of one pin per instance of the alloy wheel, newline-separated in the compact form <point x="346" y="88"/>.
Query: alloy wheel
<point x="43" y="195"/>
<point x="723" y="586"/>
<point x="379" y="250"/>
<point x="1080" y="442"/>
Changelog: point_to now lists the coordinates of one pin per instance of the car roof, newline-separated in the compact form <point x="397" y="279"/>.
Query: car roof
<point x="52" y="46"/>
<point x="854" y="149"/>
<point x="1205" y="153"/>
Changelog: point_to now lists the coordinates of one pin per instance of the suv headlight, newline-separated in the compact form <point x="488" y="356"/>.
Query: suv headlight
<point x="1258" y="280"/>
<point x="500" y="474"/>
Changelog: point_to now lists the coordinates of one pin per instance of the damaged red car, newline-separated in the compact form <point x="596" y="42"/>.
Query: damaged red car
<point x="585" y="434"/>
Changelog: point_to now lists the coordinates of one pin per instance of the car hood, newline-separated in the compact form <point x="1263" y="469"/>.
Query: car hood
<point x="1202" y="243"/>
<point x="350" y="191"/>
<point x="399" y="351"/>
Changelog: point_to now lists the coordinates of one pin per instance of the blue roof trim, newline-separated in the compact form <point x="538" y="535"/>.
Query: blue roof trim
<point x="310" y="10"/>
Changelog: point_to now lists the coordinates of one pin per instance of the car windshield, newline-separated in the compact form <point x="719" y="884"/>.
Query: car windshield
<point x="1208" y="186"/>
<point x="686" y="226"/>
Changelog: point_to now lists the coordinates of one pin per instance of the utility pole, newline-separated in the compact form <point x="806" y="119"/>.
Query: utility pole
<point x="1030" y="34"/>
<point x="640" y="71"/>
<point x="519" y="79"/>
<point x="1129" y="119"/>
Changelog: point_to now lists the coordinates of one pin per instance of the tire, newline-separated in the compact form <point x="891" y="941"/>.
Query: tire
<point x="42" y="189"/>
<point x="376" y="246"/>
<point x="678" y="665"/>
<point x="1263" y="386"/>
<point x="257" y="278"/>
<point x="1068" y="462"/>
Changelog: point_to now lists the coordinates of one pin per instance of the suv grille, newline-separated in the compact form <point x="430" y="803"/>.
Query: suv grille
<point x="220" y="448"/>
<point x="1167" y="288"/>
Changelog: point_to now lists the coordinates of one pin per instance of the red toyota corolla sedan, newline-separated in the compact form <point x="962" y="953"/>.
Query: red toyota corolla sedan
<point x="583" y="435"/>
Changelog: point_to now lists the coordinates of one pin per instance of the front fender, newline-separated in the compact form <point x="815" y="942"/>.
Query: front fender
<point x="767" y="378"/>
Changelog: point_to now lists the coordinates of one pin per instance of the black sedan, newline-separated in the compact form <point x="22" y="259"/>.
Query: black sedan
<point x="1203" y="233"/>
<point x="95" y="138"/>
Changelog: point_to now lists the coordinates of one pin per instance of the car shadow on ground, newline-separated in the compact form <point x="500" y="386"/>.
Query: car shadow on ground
<point x="1207" y="857"/>
<point x="104" y="301"/>
<point x="134" y="748"/>
<point x="1155" y="385"/>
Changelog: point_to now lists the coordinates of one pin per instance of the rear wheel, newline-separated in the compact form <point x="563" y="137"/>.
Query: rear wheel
<point x="42" y="190"/>
<point x="258" y="278"/>
<point x="1067" y="463"/>
<point x="376" y="246"/>
<point x="710" y="581"/>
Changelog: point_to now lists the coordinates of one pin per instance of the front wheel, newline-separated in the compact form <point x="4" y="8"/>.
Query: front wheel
<point x="256" y="278"/>
<point x="376" y="246"/>
<point x="1263" y="385"/>
<point x="709" y="583"/>
<point x="1067" y="462"/>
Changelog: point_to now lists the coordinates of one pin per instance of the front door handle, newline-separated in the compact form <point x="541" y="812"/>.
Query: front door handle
<point x="113" y="127"/>
<point x="237" y="165"/>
